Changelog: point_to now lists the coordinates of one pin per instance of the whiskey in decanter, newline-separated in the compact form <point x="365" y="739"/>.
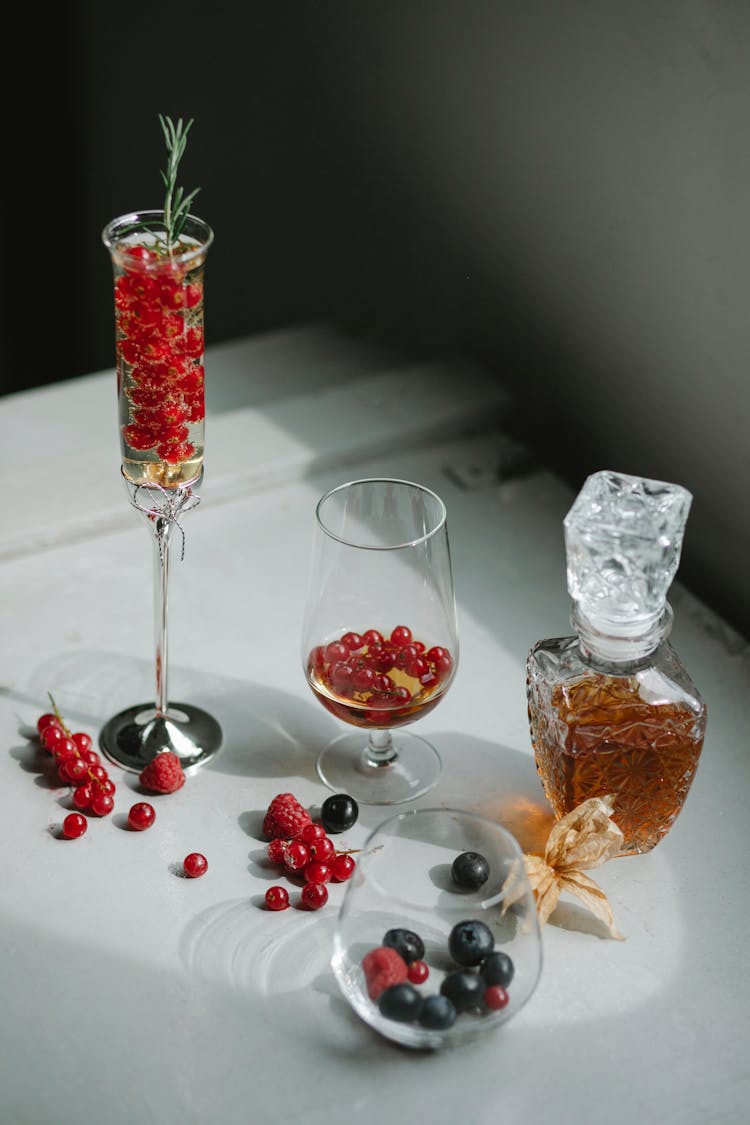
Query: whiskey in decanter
<point x="612" y="710"/>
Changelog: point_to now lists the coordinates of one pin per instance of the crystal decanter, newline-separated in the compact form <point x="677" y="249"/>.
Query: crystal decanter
<point x="611" y="708"/>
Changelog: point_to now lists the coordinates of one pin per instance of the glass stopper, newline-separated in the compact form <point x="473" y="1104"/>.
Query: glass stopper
<point x="623" y="537"/>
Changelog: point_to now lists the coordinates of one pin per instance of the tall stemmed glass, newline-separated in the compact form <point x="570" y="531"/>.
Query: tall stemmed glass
<point x="380" y="633"/>
<point x="158" y="290"/>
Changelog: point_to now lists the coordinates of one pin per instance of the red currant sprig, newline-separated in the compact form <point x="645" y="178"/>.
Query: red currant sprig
<point x="78" y="764"/>
<point x="312" y="855"/>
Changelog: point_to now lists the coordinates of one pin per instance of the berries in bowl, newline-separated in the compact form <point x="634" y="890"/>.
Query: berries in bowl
<point x="431" y="952"/>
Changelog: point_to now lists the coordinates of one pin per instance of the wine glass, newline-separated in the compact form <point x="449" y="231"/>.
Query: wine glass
<point x="406" y="880"/>
<point x="380" y="633"/>
<point x="158" y="291"/>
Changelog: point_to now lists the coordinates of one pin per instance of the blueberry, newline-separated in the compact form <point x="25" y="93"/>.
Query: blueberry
<point x="470" y="942"/>
<point x="438" y="1012"/>
<point x="401" y="1002"/>
<point x="464" y="988"/>
<point x="405" y="942"/>
<point x="339" y="812"/>
<point x="497" y="969"/>
<point x="470" y="870"/>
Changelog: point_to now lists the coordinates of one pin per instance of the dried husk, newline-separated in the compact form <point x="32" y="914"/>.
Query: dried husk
<point x="582" y="839"/>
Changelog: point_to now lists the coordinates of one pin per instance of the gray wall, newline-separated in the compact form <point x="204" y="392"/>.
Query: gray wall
<point x="560" y="189"/>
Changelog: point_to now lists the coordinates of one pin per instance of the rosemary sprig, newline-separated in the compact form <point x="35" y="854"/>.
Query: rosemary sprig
<point x="176" y="203"/>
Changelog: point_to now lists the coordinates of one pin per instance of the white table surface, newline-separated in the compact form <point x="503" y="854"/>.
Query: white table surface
<point x="132" y="995"/>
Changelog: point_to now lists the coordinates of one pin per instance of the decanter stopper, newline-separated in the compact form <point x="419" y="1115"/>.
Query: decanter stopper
<point x="623" y="538"/>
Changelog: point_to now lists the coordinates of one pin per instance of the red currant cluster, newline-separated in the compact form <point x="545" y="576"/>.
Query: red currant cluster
<point x="388" y="673"/>
<point x="312" y="855"/>
<point x="78" y="765"/>
<point x="160" y="336"/>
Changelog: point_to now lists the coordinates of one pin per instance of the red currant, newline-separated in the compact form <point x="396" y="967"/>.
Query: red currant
<point x="316" y="871"/>
<point x="496" y="997"/>
<point x="352" y="641"/>
<point x="277" y="898"/>
<point x="102" y="804"/>
<point x="82" y="797"/>
<point x="74" y="825"/>
<point x="141" y="816"/>
<point x="51" y="737"/>
<point x="82" y="740"/>
<point x="401" y="635"/>
<point x="372" y="637"/>
<point x="335" y="652"/>
<point x="74" y="769"/>
<point x="314" y="895"/>
<point x="195" y="865"/>
<point x="342" y="867"/>
<point x="46" y="720"/>
<point x="311" y="832"/>
<point x="322" y="849"/>
<point x="417" y="972"/>
<point x="296" y="855"/>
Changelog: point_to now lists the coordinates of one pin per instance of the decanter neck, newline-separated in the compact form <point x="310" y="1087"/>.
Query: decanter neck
<point x="621" y="642"/>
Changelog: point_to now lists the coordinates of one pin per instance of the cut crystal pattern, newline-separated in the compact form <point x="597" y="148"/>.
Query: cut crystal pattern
<point x="623" y="538"/>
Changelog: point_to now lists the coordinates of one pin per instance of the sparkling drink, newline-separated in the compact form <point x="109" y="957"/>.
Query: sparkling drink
<point x="158" y="295"/>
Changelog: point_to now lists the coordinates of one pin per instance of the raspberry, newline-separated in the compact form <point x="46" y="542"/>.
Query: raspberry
<point x="163" y="774"/>
<point x="383" y="967"/>
<point x="285" y="817"/>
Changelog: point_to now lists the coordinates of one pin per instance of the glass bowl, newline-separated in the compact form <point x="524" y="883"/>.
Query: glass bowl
<point x="404" y="881"/>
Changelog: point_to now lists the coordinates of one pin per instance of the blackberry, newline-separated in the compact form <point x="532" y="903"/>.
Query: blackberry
<point x="405" y="942"/>
<point x="438" y="1012"/>
<point x="470" y="870"/>
<point x="470" y="942"/>
<point x="339" y="812"/>
<point x="401" y="1002"/>
<point x="464" y="988"/>
<point x="497" y="968"/>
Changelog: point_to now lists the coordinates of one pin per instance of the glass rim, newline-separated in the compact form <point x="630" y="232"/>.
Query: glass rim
<point x="138" y="218"/>
<point x="437" y="527"/>
<point x="404" y="815"/>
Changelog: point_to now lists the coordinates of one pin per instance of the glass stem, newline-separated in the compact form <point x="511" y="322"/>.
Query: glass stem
<point x="380" y="748"/>
<point x="162" y="535"/>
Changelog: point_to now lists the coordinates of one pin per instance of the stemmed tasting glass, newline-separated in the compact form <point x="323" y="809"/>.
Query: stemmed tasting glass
<point x="380" y="633"/>
<point x="158" y="291"/>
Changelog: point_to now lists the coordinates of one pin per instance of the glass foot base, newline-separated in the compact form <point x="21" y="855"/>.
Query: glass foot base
<point x="134" y="737"/>
<point x="345" y="766"/>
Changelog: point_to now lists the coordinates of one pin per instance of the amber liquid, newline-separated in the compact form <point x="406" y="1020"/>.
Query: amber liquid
<point x="373" y="710"/>
<point x="601" y="737"/>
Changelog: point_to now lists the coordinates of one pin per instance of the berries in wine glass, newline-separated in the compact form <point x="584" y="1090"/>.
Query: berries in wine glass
<point x="478" y="984"/>
<point x="373" y="680"/>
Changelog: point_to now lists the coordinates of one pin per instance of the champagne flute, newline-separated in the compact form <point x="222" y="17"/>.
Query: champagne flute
<point x="380" y="634"/>
<point x="158" y="290"/>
